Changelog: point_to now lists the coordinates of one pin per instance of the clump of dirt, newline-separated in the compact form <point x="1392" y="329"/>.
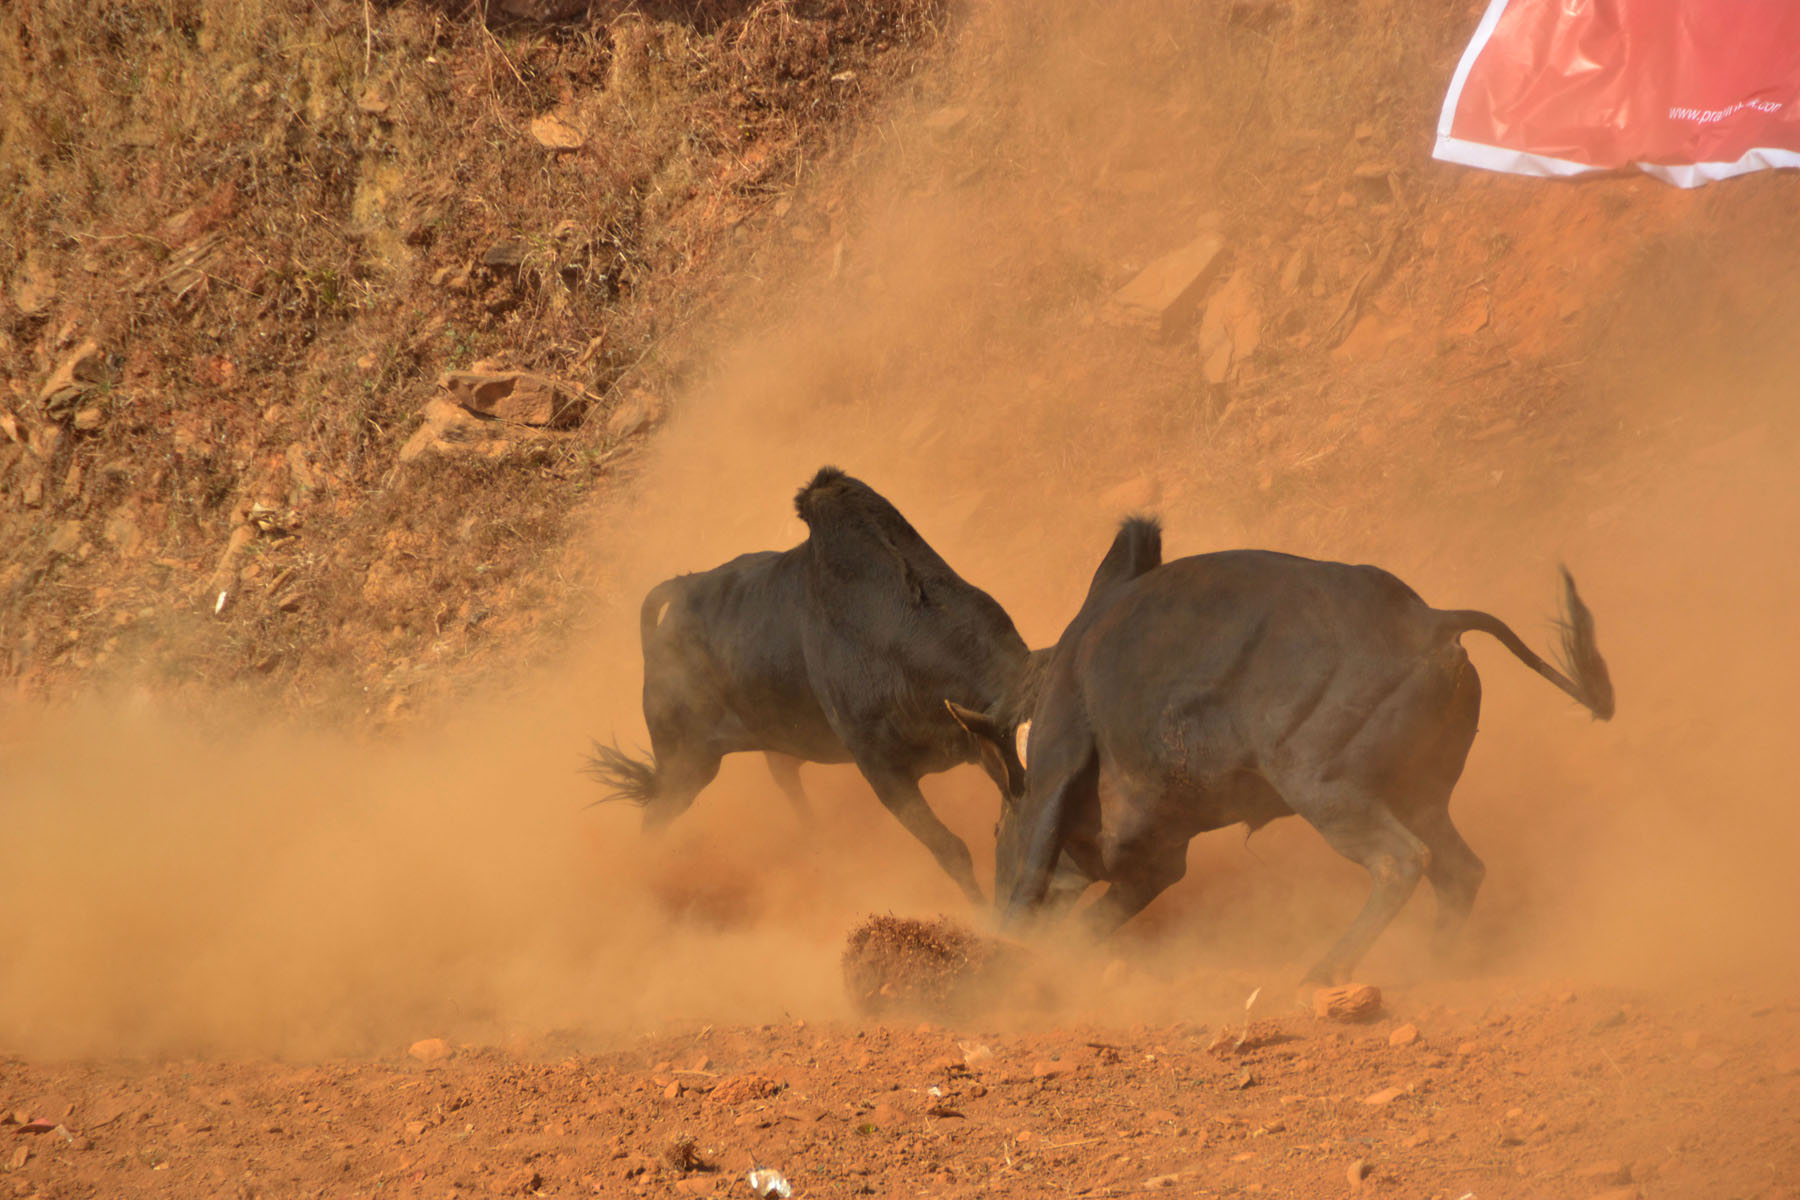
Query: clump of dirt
<point x="939" y="968"/>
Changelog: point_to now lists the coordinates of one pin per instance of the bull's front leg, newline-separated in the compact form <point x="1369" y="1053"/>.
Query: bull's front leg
<point x="899" y="794"/>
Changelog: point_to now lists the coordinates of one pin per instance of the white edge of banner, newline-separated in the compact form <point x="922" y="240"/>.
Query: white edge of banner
<point x="1681" y="175"/>
<point x="1477" y="44"/>
<point x="1691" y="175"/>
<point x="1512" y="162"/>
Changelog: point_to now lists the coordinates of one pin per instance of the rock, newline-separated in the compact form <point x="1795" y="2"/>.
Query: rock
<point x="1383" y="1098"/>
<point x="73" y="378"/>
<point x="1356" y="1172"/>
<point x="430" y="1050"/>
<point x="121" y="532"/>
<point x="672" y="1090"/>
<point x="505" y="256"/>
<point x="451" y="429"/>
<point x="33" y="288"/>
<point x="89" y="419"/>
<point x="21" y="1156"/>
<point x="1348" y="1002"/>
<point x="1165" y="295"/>
<point x="740" y="1089"/>
<point x="1140" y="494"/>
<point x="373" y="100"/>
<point x="1471" y="317"/>
<point x="1046" y="1069"/>
<point x="1231" y="329"/>
<point x="1405" y="1035"/>
<point x="976" y="1056"/>
<point x="1609" y="1171"/>
<point x="67" y="538"/>
<point x="946" y="119"/>
<point x="553" y="133"/>
<point x="632" y="414"/>
<point x="1298" y="271"/>
<point x="517" y="396"/>
<point x="1157" y="1182"/>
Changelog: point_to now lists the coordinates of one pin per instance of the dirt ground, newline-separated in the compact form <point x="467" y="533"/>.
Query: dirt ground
<point x="1503" y="1088"/>
<point x="309" y="899"/>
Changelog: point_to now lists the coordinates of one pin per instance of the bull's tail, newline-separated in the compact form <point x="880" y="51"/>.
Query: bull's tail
<point x="631" y="779"/>
<point x="1583" y="674"/>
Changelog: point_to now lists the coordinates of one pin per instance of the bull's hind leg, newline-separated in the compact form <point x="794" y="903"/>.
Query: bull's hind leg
<point x="899" y="794"/>
<point x="680" y="774"/>
<point x="1359" y="826"/>
<point x="1455" y="871"/>
<point x="786" y="770"/>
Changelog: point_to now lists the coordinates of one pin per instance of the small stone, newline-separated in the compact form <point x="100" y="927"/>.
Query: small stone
<point x="1157" y="1182"/>
<point x="1383" y="1098"/>
<point x="673" y="1091"/>
<point x="976" y="1056"/>
<point x="1139" y="494"/>
<point x="1349" y="1002"/>
<point x="1298" y="271"/>
<point x="1405" y="1035"/>
<point x="632" y="414"/>
<point x="1048" y="1070"/>
<point x="1609" y="1171"/>
<point x="1465" y="1049"/>
<point x="89" y="419"/>
<point x="67" y="538"/>
<point x="946" y="119"/>
<point x="518" y="396"/>
<point x="553" y="133"/>
<point x="1165" y="295"/>
<point x="20" y="1157"/>
<point x="1356" y="1172"/>
<point x="415" y="1128"/>
<point x="430" y="1050"/>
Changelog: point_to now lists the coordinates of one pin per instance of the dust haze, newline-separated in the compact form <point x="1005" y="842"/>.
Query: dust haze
<point x="243" y="886"/>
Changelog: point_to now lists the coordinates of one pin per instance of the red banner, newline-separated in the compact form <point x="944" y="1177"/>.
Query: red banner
<point x="1687" y="90"/>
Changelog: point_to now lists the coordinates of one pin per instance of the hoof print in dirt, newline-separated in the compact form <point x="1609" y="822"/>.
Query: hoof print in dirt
<point x="937" y="968"/>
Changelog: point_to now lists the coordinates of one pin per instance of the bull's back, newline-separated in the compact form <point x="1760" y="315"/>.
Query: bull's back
<point x="1211" y="662"/>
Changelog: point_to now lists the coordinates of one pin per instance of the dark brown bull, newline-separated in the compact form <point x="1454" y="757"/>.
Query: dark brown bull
<point x="1245" y="686"/>
<point x="842" y="649"/>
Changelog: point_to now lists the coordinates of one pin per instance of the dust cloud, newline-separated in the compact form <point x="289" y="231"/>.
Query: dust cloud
<point x="247" y="887"/>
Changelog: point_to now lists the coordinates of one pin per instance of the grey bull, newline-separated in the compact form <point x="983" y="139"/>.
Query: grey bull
<point x="841" y="649"/>
<point x="1245" y="686"/>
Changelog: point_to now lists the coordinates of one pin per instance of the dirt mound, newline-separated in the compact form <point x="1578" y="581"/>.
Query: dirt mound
<point x="939" y="968"/>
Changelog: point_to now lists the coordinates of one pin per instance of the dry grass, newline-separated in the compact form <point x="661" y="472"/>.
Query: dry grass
<point x="280" y="222"/>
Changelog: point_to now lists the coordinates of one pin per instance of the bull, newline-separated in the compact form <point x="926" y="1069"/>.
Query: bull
<point x="1249" y="685"/>
<point x="841" y="649"/>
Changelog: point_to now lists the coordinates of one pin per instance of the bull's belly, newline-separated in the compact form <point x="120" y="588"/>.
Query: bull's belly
<point x="1171" y="808"/>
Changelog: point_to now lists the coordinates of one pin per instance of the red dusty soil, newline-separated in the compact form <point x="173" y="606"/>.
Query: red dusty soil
<point x="1508" y="1090"/>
